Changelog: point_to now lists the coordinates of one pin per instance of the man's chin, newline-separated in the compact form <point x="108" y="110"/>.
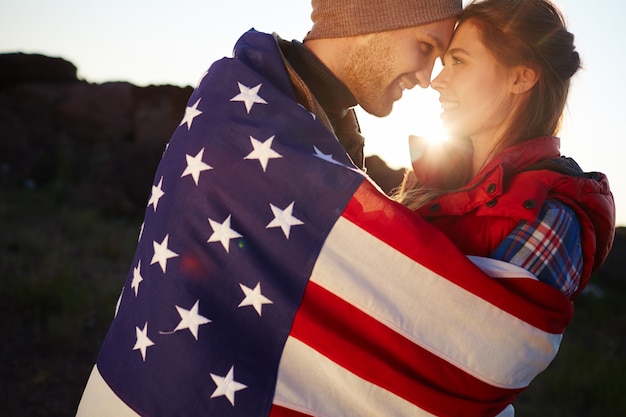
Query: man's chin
<point x="379" y="110"/>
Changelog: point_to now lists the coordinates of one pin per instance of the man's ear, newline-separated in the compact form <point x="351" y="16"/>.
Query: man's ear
<point x="524" y="79"/>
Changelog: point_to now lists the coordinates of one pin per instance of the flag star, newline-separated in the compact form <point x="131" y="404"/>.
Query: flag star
<point x="283" y="219"/>
<point x="143" y="342"/>
<point x="249" y="96"/>
<point x="310" y="112"/>
<point x="195" y="166"/>
<point x="190" y="114"/>
<point x="325" y="157"/>
<point x="157" y="193"/>
<point x="141" y="231"/>
<point x="227" y="386"/>
<point x="137" y="278"/>
<point x="222" y="232"/>
<point x="263" y="151"/>
<point x="254" y="298"/>
<point x="162" y="253"/>
<point x="119" y="301"/>
<point x="190" y="319"/>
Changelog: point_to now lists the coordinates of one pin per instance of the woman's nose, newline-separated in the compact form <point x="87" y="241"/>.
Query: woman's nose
<point x="439" y="82"/>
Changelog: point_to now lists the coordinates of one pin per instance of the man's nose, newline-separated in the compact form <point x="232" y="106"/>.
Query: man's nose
<point x="423" y="75"/>
<point x="423" y="78"/>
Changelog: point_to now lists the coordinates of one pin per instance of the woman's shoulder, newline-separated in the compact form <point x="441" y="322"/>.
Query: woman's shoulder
<point x="549" y="247"/>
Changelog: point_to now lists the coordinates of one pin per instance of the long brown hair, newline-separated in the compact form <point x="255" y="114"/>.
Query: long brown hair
<point x="533" y="33"/>
<point x="519" y="32"/>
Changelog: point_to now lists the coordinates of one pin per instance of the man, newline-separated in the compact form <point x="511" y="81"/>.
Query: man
<point x="367" y="54"/>
<point x="272" y="277"/>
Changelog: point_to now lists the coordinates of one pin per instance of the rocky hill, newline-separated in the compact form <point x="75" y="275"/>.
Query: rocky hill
<point x="100" y="142"/>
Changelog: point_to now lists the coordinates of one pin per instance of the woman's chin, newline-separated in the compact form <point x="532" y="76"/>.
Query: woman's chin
<point x="452" y="129"/>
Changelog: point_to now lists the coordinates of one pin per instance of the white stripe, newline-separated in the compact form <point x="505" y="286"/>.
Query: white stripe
<point x="100" y="401"/>
<point x="509" y="411"/>
<point x="500" y="269"/>
<point x="311" y="383"/>
<point x="450" y="322"/>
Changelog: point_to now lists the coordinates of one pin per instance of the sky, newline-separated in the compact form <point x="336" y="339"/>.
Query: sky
<point x="156" y="42"/>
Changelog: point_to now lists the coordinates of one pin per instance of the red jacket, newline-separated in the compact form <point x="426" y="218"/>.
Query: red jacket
<point x="512" y="188"/>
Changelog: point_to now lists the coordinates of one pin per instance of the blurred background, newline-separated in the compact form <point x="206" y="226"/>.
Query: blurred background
<point x="90" y="93"/>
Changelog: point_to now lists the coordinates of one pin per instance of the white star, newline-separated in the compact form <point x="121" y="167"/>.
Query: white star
<point x="227" y="386"/>
<point x="195" y="166"/>
<point x="190" y="319"/>
<point x="310" y="112"/>
<point x="254" y="298"/>
<point x="263" y="151"/>
<point x="283" y="219"/>
<point x="325" y="157"/>
<point x="249" y="96"/>
<point x="143" y="342"/>
<point x="141" y="230"/>
<point x="156" y="194"/>
<point x="222" y="232"/>
<point x="137" y="278"/>
<point x="162" y="253"/>
<point x="119" y="301"/>
<point x="190" y="114"/>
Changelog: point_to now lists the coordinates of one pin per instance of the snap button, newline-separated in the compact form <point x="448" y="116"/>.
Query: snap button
<point x="492" y="203"/>
<point x="530" y="204"/>
<point x="491" y="188"/>
<point x="435" y="208"/>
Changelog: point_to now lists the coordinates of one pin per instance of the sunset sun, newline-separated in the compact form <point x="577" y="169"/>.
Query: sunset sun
<point x="417" y="114"/>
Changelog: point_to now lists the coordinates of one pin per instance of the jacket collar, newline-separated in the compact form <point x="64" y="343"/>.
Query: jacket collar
<point x="516" y="158"/>
<point x="491" y="182"/>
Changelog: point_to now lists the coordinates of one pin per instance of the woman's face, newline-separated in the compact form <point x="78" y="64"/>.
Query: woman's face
<point x="474" y="89"/>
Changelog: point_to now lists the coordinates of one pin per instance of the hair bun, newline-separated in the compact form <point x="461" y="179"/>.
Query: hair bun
<point x="573" y="67"/>
<point x="559" y="52"/>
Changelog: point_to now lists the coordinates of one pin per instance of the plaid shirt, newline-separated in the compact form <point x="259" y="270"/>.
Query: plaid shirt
<point x="549" y="247"/>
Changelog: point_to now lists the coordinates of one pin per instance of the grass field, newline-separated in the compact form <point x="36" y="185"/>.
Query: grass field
<point x="62" y="267"/>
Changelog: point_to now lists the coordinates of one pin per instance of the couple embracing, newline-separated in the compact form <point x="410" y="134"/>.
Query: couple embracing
<point x="272" y="277"/>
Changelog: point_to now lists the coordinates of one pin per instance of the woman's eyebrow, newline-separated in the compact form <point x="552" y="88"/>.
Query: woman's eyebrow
<point x="457" y="51"/>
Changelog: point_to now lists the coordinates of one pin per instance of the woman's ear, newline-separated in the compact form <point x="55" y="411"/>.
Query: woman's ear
<point x="524" y="79"/>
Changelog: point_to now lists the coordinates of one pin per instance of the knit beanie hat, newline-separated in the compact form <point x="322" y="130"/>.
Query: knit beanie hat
<point x="342" y="18"/>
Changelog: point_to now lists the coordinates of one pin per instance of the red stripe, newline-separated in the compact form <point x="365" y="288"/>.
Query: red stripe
<point x="278" y="411"/>
<point x="531" y="301"/>
<point x="377" y="354"/>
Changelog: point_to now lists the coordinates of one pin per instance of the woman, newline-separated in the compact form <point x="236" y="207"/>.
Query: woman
<point x="500" y="187"/>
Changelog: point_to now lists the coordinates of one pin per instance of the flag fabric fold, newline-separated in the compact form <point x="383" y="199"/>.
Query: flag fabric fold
<point x="271" y="277"/>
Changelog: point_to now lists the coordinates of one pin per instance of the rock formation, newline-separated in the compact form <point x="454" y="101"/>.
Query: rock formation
<point x="100" y="143"/>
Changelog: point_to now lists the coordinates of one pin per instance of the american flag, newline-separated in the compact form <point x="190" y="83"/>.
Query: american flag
<point x="272" y="278"/>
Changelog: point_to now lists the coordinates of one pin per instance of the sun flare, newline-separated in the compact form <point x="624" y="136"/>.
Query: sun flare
<point x="418" y="113"/>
